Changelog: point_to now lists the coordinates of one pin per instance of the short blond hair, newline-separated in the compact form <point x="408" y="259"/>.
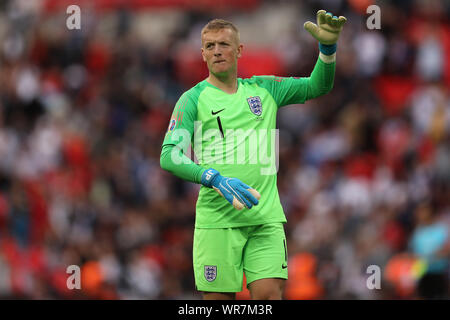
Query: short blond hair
<point x="218" y="24"/>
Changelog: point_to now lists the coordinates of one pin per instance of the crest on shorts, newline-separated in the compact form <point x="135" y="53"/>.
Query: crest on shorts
<point x="210" y="273"/>
<point x="255" y="105"/>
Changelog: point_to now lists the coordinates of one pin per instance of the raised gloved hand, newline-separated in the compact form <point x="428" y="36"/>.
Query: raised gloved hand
<point x="327" y="29"/>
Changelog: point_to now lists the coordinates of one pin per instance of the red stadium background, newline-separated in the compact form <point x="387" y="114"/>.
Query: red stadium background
<point x="364" y="171"/>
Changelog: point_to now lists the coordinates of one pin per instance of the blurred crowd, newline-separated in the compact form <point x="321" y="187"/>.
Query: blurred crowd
<point x="364" y="172"/>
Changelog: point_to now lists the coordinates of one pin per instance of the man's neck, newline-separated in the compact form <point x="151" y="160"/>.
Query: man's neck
<point x="228" y="84"/>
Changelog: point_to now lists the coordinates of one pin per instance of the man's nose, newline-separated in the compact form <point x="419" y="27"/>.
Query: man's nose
<point x="217" y="51"/>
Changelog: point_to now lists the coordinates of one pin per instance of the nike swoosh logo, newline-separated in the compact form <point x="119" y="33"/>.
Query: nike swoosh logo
<point x="214" y="113"/>
<point x="284" y="266"/>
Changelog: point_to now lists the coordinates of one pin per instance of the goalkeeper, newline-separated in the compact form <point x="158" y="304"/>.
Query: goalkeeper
<point x="239" y="219"/>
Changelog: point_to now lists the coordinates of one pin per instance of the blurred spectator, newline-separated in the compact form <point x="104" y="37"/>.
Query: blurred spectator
<point x="430" y="241"/>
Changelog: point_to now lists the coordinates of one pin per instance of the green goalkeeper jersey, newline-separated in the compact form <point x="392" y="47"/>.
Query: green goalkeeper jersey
<point x="236" y="135"/>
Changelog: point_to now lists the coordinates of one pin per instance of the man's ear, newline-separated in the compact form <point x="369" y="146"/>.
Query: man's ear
<point x="203" y="56"/>
<point x="239" y="51"/>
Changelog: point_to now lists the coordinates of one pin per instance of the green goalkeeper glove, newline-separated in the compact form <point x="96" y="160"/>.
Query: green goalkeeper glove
<point x="327" y="29"/>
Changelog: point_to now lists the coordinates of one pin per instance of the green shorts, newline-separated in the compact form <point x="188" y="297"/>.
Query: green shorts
<point x="221" y="256"/>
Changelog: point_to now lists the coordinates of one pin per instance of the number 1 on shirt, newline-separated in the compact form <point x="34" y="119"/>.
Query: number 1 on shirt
<point x="220" y="126"/>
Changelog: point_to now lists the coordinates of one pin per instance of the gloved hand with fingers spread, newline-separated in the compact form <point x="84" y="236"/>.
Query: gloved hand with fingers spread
<point x="234" y="190"/>
<point x="326" y="31"/>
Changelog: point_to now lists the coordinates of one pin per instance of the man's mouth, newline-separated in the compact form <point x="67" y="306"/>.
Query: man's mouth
<point x="219" y="61"/>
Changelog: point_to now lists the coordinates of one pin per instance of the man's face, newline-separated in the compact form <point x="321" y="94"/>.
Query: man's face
<point x="220" y="51"/>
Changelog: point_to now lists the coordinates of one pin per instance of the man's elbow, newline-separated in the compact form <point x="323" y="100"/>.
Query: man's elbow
<point x="163" y="161"/>
<point x="323" y="90"/>
<point x="327" y="89"/>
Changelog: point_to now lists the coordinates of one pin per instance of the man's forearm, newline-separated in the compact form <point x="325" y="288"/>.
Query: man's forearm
<point x="326" y="31"/>
<point x="184" y="167"/>
<point x="322" y="77"/>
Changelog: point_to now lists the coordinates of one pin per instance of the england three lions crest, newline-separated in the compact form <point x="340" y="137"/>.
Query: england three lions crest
<point x="210" y="273"/>
<point x="255" y="105"/>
